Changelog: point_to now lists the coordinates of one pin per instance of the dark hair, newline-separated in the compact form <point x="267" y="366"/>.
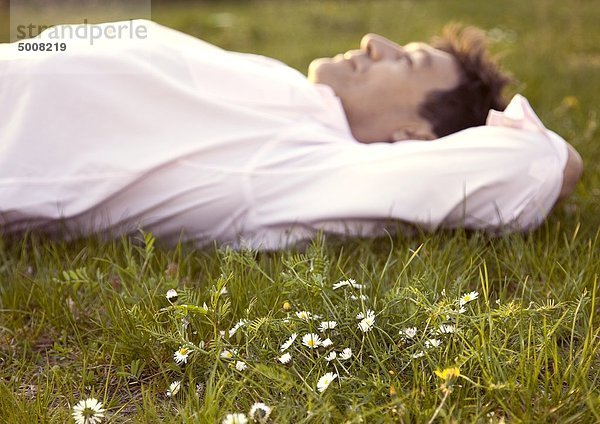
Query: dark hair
<point x="480" y="87"/>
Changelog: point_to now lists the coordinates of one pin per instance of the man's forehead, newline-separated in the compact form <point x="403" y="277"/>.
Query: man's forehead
<point x="433" y="54"/>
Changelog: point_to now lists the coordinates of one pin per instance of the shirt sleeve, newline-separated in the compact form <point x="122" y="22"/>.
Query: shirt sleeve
<point x="489" y="177"/>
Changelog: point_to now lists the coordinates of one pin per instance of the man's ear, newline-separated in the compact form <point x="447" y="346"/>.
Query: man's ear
<point x="413" y="133"/>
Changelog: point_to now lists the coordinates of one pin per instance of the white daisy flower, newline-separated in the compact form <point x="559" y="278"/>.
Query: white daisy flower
<point x="88" y="411"/>
<point x="467" y="297"/>
<point x="325" y="381"/>
<point x="311" y="340"/>
<point x="366" y="323"/>
<point x="341" y="284"/>
<point x="369" y="314"/>
<point x="304" y="315"/>
<point x="462" y="310"/>
<point x="285" y="358"/>
<point x="235" y="419"/>
<point x="409" y="332"/>
<point x="349" y="282"/>
<point x="260" y="412"/>
<point x="346" y="354"/>
<point x="226" y="354"/>
<point x="174" y="388"/>
<point x="181" y="356"/>
<point x="446" y="329"/>
<point x="365" y="326"/>
<point x="327" y="325"/>
<point x="418" y="355"/>
<point x="240" y="366"/>
<point x="331" y="356"/>
<point x="172" y="295"/>
<point x="355" y="285"/>
<point x="361" y="297"/>
<point x="327" y="342"/>
<point x="288" y="342"/>
<point x="432" y="343"/>
<point x="235" y="328"/>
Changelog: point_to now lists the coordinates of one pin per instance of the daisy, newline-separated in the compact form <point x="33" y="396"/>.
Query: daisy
<point x="311" y="340"/>
<point x="174" y="388"/>
<point x="285" y="358"/>
<point x="446" y="329"/>
<point x="361" y="297"/>
<point x="325" y="381"/>
<point x="172" y="295"/>
<point x="346" y="354"/>
<point x="418" y="355"/>
<point x="240" y="366"/>
<point x="88" y="411"/>
<point x="288" y="342"/>
<point x="304" y="315"/>
<point x="468" y="297"/>
<point x="340" y="284"/>
<point x="409" y="332"/>
<point x="260" y="412"/>
<point x="349" y="282"/>
<point x="331" y="356"/>
<point x="369" y="314"/>
<point x="366" y="324"/>
<point x="235" y="419"/>
<point x="433" y="343"/>
<point x="235" y="328"/>
<point x="327" y="325"/>
<point x="327" y="342"/>
<point x="181" y="356"/>
<point x="226" y="354"/>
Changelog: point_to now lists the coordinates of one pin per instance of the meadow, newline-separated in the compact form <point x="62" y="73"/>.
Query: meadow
<point x="449" y="327"/>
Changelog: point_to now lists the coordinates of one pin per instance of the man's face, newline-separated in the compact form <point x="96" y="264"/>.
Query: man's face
<point x="382" y="85"/>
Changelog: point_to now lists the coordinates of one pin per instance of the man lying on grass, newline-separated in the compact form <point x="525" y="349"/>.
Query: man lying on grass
<point x="178" y="136"/>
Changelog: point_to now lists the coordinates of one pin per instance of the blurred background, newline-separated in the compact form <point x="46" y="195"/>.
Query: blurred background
<point x="552" y="47"/>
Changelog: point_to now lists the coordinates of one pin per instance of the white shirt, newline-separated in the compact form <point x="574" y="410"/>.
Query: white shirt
<point x="178" y="136"/>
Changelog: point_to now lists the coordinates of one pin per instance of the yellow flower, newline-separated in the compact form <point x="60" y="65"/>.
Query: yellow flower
<point x="570" y="102"/>
<point x="448" y="373"/>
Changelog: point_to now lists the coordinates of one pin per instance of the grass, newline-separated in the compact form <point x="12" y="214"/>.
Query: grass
<point x="90" y="318"/>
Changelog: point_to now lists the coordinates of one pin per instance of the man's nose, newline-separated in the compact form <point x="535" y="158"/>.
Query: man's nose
<point x="380" y="48"/>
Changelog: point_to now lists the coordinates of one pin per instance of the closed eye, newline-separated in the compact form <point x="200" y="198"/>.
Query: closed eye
<point x="424" y="57"/>
<point x="408" y="60"/>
